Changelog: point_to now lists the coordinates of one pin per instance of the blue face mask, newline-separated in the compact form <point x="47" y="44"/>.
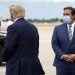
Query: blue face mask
<point x="67" y="19"/>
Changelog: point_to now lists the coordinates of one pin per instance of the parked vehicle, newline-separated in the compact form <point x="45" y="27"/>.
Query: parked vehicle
<point x="2" y="38"/>
<point x="3" y="32"/>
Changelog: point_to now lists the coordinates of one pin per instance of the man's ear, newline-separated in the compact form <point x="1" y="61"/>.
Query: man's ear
<point x="73" y="17"/>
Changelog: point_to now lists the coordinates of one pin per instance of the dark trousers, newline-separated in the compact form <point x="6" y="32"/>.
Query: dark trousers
<point x="65" y="71"/>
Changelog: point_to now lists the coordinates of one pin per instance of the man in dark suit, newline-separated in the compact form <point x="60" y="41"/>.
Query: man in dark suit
<point x="63" y="44"/>
<point x="21" y="46"/>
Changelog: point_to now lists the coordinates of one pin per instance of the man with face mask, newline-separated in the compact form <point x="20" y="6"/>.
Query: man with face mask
<point x="63" y="44"/>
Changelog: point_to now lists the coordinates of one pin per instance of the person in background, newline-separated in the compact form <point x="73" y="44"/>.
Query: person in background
<point x="63" y="44"/>
<point x="4" y="25"/>
<point x="21" y="47"/>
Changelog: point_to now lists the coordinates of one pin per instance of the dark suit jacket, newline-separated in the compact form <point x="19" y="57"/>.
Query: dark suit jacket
<point x="62" y="45"/>
<point x="21" y="49"/>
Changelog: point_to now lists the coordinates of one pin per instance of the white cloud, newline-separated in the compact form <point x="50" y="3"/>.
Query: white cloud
<point x="42" y="0"/>
<point x="48" y="0"/>
<point x="64" y="0"/>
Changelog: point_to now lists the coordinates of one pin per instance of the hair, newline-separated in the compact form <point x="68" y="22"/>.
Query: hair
<point x="18" y="10"/>
<point x="70" y="8"/>
<point x="74" y="14"/>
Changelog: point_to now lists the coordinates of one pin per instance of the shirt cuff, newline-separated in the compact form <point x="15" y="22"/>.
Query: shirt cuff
<point x="62" y="56"/>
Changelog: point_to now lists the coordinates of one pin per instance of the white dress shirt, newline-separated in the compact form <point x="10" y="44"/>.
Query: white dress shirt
<point x="17" y="19"/>
<point x="72" y="27"/>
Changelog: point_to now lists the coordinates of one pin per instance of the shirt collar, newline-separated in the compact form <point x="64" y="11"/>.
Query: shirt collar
<point x="73" y="24"/>
<point x="17" y="19"/>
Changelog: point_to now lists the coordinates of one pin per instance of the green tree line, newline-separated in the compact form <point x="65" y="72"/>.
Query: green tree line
<point x="40" y="20"/>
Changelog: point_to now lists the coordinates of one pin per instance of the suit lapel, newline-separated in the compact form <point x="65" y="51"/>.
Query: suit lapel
<point x="66" y="32"/>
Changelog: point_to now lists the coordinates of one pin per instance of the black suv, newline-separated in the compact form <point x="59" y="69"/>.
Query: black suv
<point x="2" y="38"/>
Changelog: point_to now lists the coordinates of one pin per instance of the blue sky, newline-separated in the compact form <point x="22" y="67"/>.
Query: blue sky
<point x="41" y="9"/>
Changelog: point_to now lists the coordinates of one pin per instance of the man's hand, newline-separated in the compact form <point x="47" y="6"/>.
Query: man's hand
<point x="72" y="57"/>
<point x="65" y="57"/>
<point x="68" y="57"/>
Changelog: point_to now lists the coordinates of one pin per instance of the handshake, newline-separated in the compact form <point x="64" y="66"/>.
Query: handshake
<point x="68" y="57"/>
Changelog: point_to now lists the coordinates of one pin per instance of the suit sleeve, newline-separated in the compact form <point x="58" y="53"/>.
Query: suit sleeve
<point x="37" y="41"/>
<point x="10" y="43"/>
<point x="37" y="35"/>
<point x="55" y="44"/>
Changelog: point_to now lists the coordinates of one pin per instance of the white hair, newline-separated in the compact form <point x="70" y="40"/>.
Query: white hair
<point x="18" y="10"/>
